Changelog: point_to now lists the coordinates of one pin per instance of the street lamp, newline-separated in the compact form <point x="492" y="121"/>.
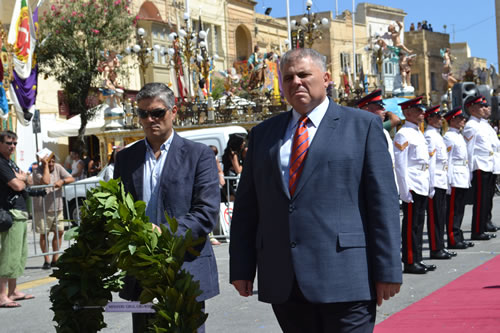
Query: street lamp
<point x="143" y="50"/>
<point x="189" y="51"/>
<point x="307" y="30"/>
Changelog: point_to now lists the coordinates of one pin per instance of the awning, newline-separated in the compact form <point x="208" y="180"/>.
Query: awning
<point x="71" y="126"/>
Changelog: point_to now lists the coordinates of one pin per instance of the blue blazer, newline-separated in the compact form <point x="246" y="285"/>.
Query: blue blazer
<point x="339" y="233"/>
<point x="190" y="193"/>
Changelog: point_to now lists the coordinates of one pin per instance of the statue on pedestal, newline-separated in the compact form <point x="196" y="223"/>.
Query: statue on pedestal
<point x="447" y="70"/>
<point x="396" y="38"/>
<point x="113" y="114"/>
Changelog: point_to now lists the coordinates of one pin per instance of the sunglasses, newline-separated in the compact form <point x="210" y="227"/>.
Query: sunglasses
<point x="10" y="143"/>
<point x="157" y="113"/>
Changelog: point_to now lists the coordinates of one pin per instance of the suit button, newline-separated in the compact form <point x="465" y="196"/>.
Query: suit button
<point x="293" y="244"/>
<point x="290" y="208"/>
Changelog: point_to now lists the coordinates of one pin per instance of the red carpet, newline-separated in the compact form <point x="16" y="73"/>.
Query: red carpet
<point x="471" y="303"/>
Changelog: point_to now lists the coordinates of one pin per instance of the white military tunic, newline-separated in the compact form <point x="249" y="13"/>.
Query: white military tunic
<point x="480" y="148"/>
<point x="496" y="146"/>
<point x="438" y="158"/>
<point x="458" y="168"/>
<point x="411" y="161"/>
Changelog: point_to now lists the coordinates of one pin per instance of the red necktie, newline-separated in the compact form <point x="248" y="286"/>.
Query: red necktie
<point x="300" y="146"/>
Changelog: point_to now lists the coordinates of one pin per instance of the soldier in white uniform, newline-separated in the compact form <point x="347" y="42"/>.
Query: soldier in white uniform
<point x="458" y="179"/>
<point x="490" y="227"/>
<point x="480" y="150"/>
<point x="373" y="103"/>
<point x="438" y="166"/>
<point x="412" y="173"/>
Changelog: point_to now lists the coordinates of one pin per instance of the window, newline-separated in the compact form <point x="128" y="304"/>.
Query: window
<point x="345" y="62"/>
<point x="433" y="81"/>
<point x="359" y="63"/>
<point x="388" y="68"/>
<point x="217" y="40"/>
<point x="414" y="81"/>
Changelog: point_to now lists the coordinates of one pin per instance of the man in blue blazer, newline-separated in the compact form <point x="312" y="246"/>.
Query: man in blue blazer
<point x="324" y="236"/>
<point x="176" y="176"/>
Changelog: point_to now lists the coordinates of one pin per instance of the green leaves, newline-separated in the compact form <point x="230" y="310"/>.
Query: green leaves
<point x="74" y="33"/>
<point x="115" y="238"/>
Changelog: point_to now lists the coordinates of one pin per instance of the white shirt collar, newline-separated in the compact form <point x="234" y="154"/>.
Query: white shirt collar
<point x="315" y="116"/>
<point x="164" y="146"/>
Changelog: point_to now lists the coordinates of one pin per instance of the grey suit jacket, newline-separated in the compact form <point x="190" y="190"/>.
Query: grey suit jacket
<point x="189" y="192"/>
<point x="340" y="231"/>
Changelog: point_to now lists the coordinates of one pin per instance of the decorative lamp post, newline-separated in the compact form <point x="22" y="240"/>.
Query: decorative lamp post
<point x="143" y="50"/>
<point x="308" y="30"/>
<point x="189" y="51"/>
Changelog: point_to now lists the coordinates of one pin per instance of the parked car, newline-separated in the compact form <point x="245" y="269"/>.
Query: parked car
<point x="75" y="193"/>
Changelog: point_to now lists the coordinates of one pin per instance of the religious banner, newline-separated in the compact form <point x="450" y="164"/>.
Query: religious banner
<point x="22" y="35"/>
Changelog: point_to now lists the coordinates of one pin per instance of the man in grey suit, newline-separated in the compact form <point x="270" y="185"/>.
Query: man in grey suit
<point x="317" y="217"/>
<point x="176" y="176"/>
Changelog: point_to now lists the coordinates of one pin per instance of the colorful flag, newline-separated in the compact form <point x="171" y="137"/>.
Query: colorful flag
<point x="22" y="35"/>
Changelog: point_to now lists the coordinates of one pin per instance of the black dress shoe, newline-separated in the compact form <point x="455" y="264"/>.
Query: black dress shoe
<point x="451" y="253"/>
<point x="415" y="268"/>
<point x="459" y="246"/>
<point x="429" y="267"/>
<point x="440" y="254"/>
<point x="482" y="236"/>
<point x="490" y="227"/>
<point x="492" y="235"/>
<point x="469" y="244"/>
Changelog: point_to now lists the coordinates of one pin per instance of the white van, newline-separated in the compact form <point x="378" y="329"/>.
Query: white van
<point x="75" y="193"/>
<point x="215" y="136"/>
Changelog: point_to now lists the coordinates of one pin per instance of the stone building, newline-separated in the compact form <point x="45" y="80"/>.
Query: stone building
<point x="426" y="73"/>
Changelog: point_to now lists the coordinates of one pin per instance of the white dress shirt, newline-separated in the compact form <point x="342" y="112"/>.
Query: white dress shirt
<point x="315" y="118"/>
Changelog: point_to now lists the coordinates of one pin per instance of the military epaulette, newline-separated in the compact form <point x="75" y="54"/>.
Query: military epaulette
<point x="468" y="138"/>
<point x="448" y="149"/>
<point x="432" y="153"/>
<point x="401" y="147"/>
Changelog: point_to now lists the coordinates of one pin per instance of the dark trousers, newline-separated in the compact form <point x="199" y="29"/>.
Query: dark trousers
<point x="455" y="215"/>
<point x="491" y="195"/>
<point x="436" y="217"/>
<point x="481" y="184"/>
<point x="298" y="315"/>
<point x="412" y="228"/>
<point x="140" y="322"/>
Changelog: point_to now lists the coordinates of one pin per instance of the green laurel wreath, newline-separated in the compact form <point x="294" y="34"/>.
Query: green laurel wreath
<point x="115" y="239"/>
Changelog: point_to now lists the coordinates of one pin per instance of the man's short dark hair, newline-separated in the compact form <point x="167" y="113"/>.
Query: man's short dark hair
<point x="292" y="55"/>
<point x="157" y="90"/>
<point x="7" y="134"/>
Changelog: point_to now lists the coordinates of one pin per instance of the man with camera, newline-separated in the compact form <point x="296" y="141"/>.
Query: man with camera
<point x="13" y="242"/>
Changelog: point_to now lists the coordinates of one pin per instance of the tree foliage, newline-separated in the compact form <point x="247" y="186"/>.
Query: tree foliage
<point x="113" y="238"/>
<point x="72" y="35"/>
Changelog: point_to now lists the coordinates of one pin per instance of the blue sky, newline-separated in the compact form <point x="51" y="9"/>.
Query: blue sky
<point x="472" y="21"/>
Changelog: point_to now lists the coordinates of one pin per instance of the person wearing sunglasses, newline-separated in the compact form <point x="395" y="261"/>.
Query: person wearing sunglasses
<point x="13" y="242"/>
<point x="173" y="175"/>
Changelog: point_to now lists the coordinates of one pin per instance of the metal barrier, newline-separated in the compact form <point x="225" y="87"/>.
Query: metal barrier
<point x="73" y="196"/>
<point x="221" y="230"/>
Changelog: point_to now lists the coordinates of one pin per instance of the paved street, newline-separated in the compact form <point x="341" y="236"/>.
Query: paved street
<point x="230" y="313"/>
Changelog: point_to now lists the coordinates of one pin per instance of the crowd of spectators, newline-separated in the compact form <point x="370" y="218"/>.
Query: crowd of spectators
<point x="424" y="25"/>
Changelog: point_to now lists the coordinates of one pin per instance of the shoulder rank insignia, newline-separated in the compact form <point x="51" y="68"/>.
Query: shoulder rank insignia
<point x="432" y="153"/>
<point x="448" y="149"/>
<point x="401" y="147"/>
<point x="468" y="138"/>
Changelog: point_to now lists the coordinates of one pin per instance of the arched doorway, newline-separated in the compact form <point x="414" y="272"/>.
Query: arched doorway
<point x="243" y="43"/>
